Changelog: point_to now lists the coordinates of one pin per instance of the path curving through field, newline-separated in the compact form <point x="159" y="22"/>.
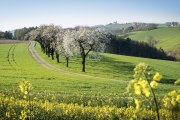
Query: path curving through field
<point x="45" y="64"/>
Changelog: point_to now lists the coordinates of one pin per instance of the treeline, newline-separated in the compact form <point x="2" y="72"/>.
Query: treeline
<point x="116" y="28"/>
<point x="139" y="27"/>
<point x="56" y="41"/>
<point x="130" y="47"/>
<point x="18" y="34"/>
<point x="6" y="35"/>
<point x="21" y="34"/>
<point x="53" y="40"/>
<point x="172" y="24"/>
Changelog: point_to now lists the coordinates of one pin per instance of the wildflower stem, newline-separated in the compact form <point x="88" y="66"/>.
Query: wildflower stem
<point x="154" y="96"/>
<point x="155" y="100"/>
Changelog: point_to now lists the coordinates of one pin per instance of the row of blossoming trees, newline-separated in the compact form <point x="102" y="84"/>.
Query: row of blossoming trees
<point x="56" y="41"/>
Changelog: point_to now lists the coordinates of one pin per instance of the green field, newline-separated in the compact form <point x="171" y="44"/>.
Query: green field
<point x="168" y="37"/>
<point x="116" y="66"/>
<point x="113" y="71"/>
<point x="69" y="94"/>
<point x="20" y="65"/>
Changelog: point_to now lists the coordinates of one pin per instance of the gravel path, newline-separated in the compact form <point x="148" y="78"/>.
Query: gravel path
<point x="45" y="64"/>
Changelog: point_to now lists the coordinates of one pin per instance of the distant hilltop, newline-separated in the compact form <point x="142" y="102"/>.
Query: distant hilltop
<point x="116" y="27"/>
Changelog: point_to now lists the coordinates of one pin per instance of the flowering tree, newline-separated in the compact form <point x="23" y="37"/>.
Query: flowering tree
<point x="86" y="40"/>
<point x="67" y="42"/>
<point x="68" y="48"/>
<point x="50" y="36"/>
<point x="59" y="41"/>
<point x="36" y="34"/>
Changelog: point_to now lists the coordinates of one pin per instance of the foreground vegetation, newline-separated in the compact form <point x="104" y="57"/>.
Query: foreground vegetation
<point x="23" y="104"/>
<point x="16" y="108"/>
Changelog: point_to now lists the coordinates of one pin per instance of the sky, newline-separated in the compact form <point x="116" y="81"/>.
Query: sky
<point x="69" y="13"/>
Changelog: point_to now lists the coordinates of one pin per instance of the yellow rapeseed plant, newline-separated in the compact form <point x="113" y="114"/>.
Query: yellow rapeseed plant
<point x="25" y="88"/>
<point x="172" y="99"/>
<point x="23" y="115"/>
<point x="144" y="83"/>
<point x="153" y="84"/>
<point x="157" y="77"/>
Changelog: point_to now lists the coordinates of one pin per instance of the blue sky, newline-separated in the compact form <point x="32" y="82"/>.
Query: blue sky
<point x="69" y="13"/>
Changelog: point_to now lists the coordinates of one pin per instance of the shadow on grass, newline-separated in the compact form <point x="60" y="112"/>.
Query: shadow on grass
<point x="168" y="80"/>
<point x="110" y="65"/>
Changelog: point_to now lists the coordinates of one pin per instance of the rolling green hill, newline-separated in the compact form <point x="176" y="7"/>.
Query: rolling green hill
<point x="111" y="73"/>
<point x="168" y="37"/>
<point x="118" y="67"/>
<point x="114" y="26"/>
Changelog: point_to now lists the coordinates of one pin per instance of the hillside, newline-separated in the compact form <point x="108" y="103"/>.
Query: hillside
<point x="168" y="38"/>
<point x="112" y="27"/>
<point x="117" y="67"/>
<point x="123" y="28"/>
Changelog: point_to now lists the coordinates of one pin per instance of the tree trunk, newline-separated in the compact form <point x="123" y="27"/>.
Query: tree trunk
<point x="83" y="63"/>
<point x="46" y="50"/>
<point x="67" y="61"/>
<point x="57" y="57"/>
<point x="83" y="55"/>
<point x="42" y="48"/>
<point x="49" y="51"/>
<point x="52" y="53"/>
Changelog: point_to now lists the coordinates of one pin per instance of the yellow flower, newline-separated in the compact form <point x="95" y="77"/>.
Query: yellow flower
<point x="178" y="98"/>
<point x="24" y="96"/>
<point x="23" y="115"/>
<point x="146" y="92"/>
<point x="25" y="87"/>
<point x="157" y="77"/>
<point x="137" y="89"/>
<point x="137" y="103"/>
<point x="171" y="99"/>
<point x="172" y="93"/>
<point x="8" y="114"/>
<point x="130" y="85"/>
<point x="143" y="83"/>
<point x="173" y="102"/>
<point x="25" y="92"/>
<point x="21" y="87"/>
<point x="153" y="84"/>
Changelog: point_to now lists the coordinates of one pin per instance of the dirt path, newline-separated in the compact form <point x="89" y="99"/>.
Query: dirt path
<point x="45" y="64"/>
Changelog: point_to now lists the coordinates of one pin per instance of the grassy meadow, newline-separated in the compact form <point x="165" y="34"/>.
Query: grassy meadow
<point x="101" y="94"/>
<point x="17" y="64"/>
<point x="168" y="37"/>
<point x="112" y="72"/>
<point x="117" y="67"/>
